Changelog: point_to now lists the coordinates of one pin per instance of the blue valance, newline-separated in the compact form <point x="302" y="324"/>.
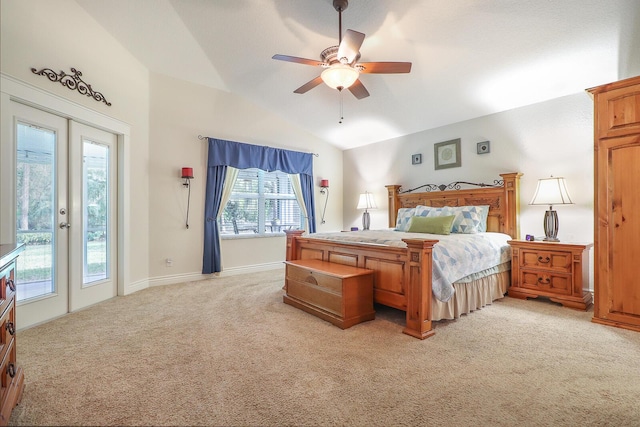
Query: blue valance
<point x="244" y="156"/>
<point x="223" y="154"/>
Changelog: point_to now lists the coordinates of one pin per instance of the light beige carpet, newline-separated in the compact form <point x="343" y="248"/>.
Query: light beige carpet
<point x="227" y="351"/>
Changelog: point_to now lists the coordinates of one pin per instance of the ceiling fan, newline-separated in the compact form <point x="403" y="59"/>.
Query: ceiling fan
<point x="342" y="71"/>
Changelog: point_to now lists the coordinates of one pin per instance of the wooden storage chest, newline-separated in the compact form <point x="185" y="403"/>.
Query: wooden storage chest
<point x="340" y="294"/>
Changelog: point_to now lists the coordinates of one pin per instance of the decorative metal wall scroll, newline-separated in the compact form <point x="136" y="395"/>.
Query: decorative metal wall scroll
<point x="454" y="186"/>
<point x="72" y="82"/>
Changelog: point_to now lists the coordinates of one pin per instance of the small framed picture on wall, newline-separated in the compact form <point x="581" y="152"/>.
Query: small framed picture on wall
<point x="447" y="154"/>
<point x="484" y="147"/>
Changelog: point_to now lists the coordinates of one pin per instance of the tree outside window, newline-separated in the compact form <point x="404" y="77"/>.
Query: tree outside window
<point x="261" y="203"/>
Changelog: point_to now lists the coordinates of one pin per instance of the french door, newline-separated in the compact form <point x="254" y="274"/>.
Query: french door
<point x="65" y="193"/>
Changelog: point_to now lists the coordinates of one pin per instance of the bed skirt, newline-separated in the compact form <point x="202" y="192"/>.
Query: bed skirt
<point x="472" y="296"/>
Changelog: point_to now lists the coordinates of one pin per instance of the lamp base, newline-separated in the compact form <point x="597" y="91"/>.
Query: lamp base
<point x="551" y="226"/>
<point x="366" y="220"/>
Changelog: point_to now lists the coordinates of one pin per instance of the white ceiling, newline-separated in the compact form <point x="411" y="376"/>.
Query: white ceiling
<point x="470" y="57"/>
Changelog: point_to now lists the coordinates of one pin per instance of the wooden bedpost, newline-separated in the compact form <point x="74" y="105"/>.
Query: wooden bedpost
<point x="419" y="292"/>
<point x="394" y="203"/>
<point x="512" y="197"/>
<point x="292" y="249"/>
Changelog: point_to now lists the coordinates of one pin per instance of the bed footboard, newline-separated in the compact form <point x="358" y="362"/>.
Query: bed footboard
<point x="402" y="276"/>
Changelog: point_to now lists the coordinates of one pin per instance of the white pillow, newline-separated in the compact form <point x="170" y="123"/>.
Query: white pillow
<point x="404" y="216"/>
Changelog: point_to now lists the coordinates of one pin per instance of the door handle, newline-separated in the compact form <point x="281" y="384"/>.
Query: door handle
<point x="65" y="225"/>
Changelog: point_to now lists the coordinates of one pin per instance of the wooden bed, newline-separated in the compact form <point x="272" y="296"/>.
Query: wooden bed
<point x="402" y="277"/>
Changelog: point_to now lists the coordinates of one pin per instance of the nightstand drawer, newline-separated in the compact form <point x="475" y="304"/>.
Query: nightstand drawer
<point x="548" y="260"/>
<point x="547" y="282"/>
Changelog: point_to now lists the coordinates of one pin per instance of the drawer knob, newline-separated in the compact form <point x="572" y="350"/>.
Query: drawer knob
<point x="11" y="370"/>
<point x="544" y="260"/>
<point x="544" y="281"/>
<point x="11" y="284"/>
<point x="11" y="328"/>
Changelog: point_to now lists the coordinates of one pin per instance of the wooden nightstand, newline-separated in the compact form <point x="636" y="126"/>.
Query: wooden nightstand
<point x="340" y="294"/>
<point x="559" y="271"/>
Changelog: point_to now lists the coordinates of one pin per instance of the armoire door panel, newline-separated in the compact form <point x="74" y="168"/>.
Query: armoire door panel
<point x="618" y="112"/>
<point x="625" y="228"/>
<point x="617" y="204"/>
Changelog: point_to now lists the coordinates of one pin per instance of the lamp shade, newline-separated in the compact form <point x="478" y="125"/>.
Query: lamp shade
<point x="366" y="201"/>
<point x="187" y="173"/>
<point x="551" y="191"/>
<point x="339" y="76"/>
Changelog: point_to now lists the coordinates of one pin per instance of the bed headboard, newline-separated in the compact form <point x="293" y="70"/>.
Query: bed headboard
<point x="503" y="201"/>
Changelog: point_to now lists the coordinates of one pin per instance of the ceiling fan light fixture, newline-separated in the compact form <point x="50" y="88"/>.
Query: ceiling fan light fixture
<point x="340" y="76"/>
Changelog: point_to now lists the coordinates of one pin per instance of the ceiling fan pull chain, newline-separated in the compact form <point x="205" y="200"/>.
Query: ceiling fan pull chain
<point x="341" y="109"/>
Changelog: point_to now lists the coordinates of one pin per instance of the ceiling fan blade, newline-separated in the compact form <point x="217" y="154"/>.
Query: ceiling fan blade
<point x="385" y="67"/>
<point x="309" y="85"/>
<point x="358" y="90"/>
<point x="297" y="60"/>
<point x="350" y="46"/>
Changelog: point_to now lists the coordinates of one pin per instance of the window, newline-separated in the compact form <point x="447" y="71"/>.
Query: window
<point x="261" y="203"/>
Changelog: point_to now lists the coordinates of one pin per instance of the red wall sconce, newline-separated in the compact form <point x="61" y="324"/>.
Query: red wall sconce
<point x="187" y="175"/>
<point x="324" y="189"/>
<point x="324" y="184"/>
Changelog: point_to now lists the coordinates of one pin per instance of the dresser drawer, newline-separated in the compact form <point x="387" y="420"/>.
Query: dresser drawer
<point x="314" y="278"/>
<point x="552" y="283"/>
<point x="7" y="329"/>
<point x="547" y="260"/>
<point x="7" y="286"/>
<point x="8" y="371"/>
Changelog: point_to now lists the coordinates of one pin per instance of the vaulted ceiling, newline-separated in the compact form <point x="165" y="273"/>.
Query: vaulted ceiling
<point x="470" y="57"/>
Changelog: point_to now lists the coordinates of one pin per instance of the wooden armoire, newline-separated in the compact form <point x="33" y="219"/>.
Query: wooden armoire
<point x="617" y="204"/>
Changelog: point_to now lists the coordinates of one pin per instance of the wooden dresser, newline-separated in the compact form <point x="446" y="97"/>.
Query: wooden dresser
<point x="617" y="204"/>
<point x="559" y="271"/>
<point x="12" y="376"/>
<point x="340" y="294"/>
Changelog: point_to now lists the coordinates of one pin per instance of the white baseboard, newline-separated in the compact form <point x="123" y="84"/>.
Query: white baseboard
<point x="192" y="277"/>
<point x="136" y="286"/>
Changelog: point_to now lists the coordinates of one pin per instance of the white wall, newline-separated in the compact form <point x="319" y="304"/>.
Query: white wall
<point x="60" y="35"/>
<point x="549" y="138"/>
<point x="181" y="111"/>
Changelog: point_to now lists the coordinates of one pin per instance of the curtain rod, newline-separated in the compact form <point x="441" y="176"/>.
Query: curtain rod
<point x="200" y="137"/>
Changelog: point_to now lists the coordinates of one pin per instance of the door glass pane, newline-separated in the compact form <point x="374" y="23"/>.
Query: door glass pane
<point x="35" y="216"/>
<point x="95" y="203"/>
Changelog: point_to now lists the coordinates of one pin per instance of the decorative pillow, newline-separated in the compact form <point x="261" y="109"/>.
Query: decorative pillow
<point x="431" y="212"/>
<point x="432" y="225"/>
<point x="469" y="219"/>
<point x="484" y="214"/>
<point x="404" y="215"/>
